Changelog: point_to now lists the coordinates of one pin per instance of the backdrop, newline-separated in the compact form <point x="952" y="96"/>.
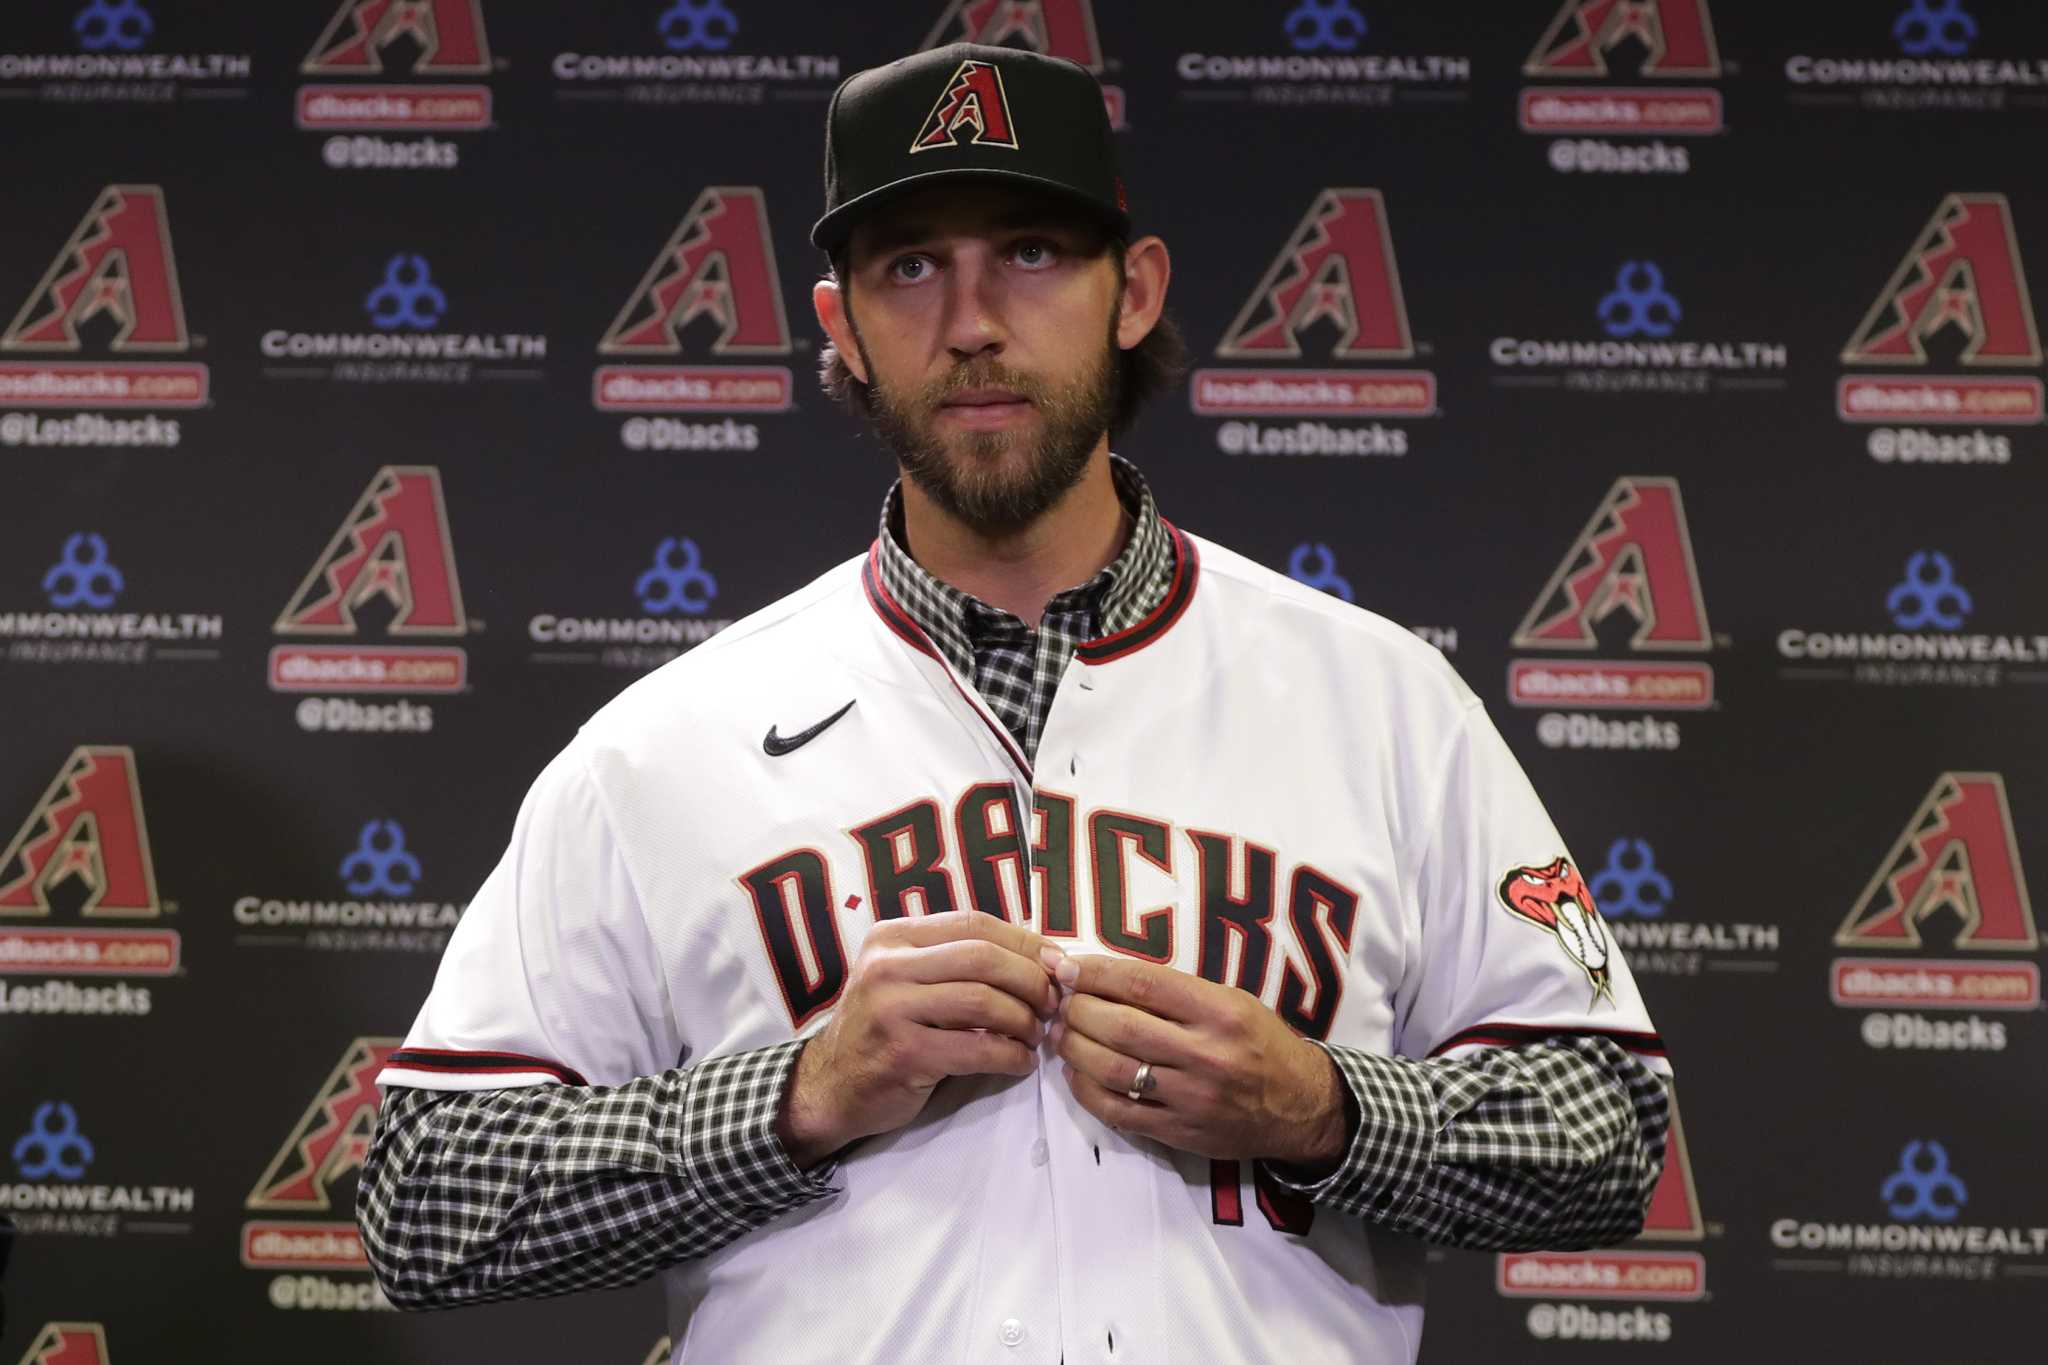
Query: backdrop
<point x="385" y="385"/>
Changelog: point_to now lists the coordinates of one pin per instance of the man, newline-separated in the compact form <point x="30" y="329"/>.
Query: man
<point x="1111" y="951"/>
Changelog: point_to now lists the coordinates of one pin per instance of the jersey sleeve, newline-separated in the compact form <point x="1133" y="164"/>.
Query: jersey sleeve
<point x="551" y="975"/>
<point x="1512" y="947"/>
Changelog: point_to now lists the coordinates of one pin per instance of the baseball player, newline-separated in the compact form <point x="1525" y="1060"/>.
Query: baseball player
<point x="1048" y="936"/>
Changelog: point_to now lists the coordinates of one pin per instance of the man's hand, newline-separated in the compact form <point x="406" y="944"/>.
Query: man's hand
<point x="1231" y="1079"/>
<point x="929" y="996"/>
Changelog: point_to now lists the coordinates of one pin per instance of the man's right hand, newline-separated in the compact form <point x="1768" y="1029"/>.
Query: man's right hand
<point x="929" y="996"/>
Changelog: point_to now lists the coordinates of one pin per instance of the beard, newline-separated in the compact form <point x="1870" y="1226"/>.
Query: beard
<point x="998" y="482"/>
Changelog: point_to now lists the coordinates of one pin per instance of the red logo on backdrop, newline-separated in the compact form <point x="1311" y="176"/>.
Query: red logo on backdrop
<point x="719" y="263"/>
<point x="68" y="1343"/>
<point x="973" y="98"/>
<point x="88" y="825"/>
<point x="1678" y="37"/>
<point x="1964" y="270"/>
<point x="1635" y="555"/>
<point x="333" y="1137"/>
<point x="1058" y="28"/>
<point x="393" y="544"/>
<point x="118" y="263"/>
<point x="1958" y="854"/>
<point x="1674" y="1212"/>
<point x="1338" y="264"/>
<point x="450" y="34"/>
<point x="1554" y="898"/>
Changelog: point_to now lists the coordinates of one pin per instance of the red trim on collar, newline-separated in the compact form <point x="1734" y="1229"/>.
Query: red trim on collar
<point x="1180" y="592"/>
<point x="911" y="633"/>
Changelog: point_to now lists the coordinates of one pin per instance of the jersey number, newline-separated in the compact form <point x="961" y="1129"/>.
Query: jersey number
<point x="1284" y="1209"/>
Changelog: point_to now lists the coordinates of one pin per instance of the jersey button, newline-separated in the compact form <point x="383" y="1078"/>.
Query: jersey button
<point x="1011" y="1333"/>
<point x="1040" y="1153"/>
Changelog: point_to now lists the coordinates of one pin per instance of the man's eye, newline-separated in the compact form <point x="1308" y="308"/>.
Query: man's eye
<point x="1035" y="255"/>
<point x="910" y="269"/>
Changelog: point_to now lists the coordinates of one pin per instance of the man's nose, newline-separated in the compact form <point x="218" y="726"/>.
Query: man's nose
<point x="973" y="322"/>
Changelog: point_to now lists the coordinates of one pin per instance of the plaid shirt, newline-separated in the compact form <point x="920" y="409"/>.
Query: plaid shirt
<point x="469" y="1196"/>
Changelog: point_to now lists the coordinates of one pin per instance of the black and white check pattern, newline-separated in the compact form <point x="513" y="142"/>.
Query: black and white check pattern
<point x="474" y="1195"/>
<point x="1016" y="667"/>
<point x="469" y="1196"/>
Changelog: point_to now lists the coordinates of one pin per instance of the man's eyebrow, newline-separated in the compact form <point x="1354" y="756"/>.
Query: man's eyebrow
<point x="887" y="237"/>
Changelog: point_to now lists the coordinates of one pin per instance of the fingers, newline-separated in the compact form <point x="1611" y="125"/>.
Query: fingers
<point x="1119" y="1111"/>
<point x="925" y="931"/>
<point x="1130" y="1032"/>
<point x="972" y="1005"/>
<point x="1112" y="1070"/>
<point x="978" y="959"/>
<point x="954" y="1052"/>
<point x="1147" y="986"/>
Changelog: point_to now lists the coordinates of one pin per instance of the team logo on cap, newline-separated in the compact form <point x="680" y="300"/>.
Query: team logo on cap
<point x="973" y="97"/>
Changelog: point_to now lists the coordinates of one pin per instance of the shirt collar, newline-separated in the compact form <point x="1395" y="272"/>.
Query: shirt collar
<point x="1120" y="595"/>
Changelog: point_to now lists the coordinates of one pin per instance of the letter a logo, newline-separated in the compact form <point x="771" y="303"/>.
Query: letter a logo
<point x="68" y="1343"/>
<point x="1677" y="36"/>
<point x="973" y="98"/>
<point x="1058" y="28"/>
<point x="719" y="263"/>
<point x="393" y="544"/>
<point x="88" y="825"/>
<point x="1957" y="853"/>
<point x="333" y="1137"/>
<point x="1635" y="555"/>
<point x="117" y="263"/>
<point x="1338" y="265"/>
<point x="1965" y="270"/>
<point x="1674" y="1212"/>
<point x="450" y="34"/>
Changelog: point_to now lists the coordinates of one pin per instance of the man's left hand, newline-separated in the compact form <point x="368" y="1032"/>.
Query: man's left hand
<point x="1230" y="1078"/>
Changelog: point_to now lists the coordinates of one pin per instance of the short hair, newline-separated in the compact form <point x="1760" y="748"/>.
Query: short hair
<point x="1144" y="371"/>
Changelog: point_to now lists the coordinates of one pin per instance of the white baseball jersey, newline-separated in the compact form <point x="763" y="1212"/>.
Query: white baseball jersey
<point x="1257" y="783"/>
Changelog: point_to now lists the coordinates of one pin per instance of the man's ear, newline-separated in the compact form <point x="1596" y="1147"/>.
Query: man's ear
<point x="829" y="302"/>
<point x="1146" y="271"/>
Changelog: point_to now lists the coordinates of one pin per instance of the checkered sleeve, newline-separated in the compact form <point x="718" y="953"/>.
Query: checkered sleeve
<point x="470" y="1196"/>
<point x="1555" y="1145"/>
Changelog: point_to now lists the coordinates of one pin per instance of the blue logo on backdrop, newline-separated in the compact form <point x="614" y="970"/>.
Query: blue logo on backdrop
<point x="53" y="1145"/>
<point x="1922" y="1186"/>
<point x="1314" y="566"/>
<point x="81" y="577"/>
<point x="678" y="581"/>
<point x="379" y="861"/>
<point x="408" y="296"/>
<point x="1314" y="25"/>
<point x="1630" y="884"/>
<point x="1639" y="305"/>
<point x="125" y="26"/>
<point x="1929" y="595"/>
<point x="690" y="24"/>
<point x="1941" y="27"/>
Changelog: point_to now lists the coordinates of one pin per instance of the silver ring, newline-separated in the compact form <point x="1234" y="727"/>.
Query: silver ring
<point x="1142" y="1083"/>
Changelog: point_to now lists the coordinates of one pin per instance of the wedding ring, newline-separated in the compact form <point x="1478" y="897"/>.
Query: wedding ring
<point x="1142" y="1083"/>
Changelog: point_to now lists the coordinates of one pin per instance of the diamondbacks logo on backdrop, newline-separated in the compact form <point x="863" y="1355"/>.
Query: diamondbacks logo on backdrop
<point x="1635" y="555"/>
<point x="323" y="1149"/>
<point x="118" y="274"/>
<point x="1677" y="37"/>
<point x="1337" y="265"/>
<point x="68" y="1343"/>
<point x="719" y="263"/>
<point x="87" y="825"/>
<point x="117" y="264"/>
<point x="974" y="99"/>
<point x="716" y="269"/>
<point x="393" y="544"/>
<point x="1335" y="272"/>
<point x="1963" y="271"/>
<point x="1956" y="854"/>
<point x="1955" y="868"/>
<point x="450" y="35"/>
<point x="1058" y="28"/>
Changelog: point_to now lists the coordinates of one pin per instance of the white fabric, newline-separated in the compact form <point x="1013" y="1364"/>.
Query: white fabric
<point x="617" y="936"/>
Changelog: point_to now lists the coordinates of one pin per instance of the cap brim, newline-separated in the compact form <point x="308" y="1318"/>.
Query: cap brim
<point x="831" y="231"/>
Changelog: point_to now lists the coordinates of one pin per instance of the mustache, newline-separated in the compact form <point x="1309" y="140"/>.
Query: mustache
<point x="981" y="374"/>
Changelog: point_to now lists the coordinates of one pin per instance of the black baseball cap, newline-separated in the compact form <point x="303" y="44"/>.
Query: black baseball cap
<point x="968" y="112"/>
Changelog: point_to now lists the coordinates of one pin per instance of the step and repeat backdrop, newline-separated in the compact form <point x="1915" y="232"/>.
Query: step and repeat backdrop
<point x="385" y="384"/>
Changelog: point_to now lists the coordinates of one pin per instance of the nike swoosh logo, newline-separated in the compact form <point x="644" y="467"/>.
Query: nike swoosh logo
<point x="777" y="745"/>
